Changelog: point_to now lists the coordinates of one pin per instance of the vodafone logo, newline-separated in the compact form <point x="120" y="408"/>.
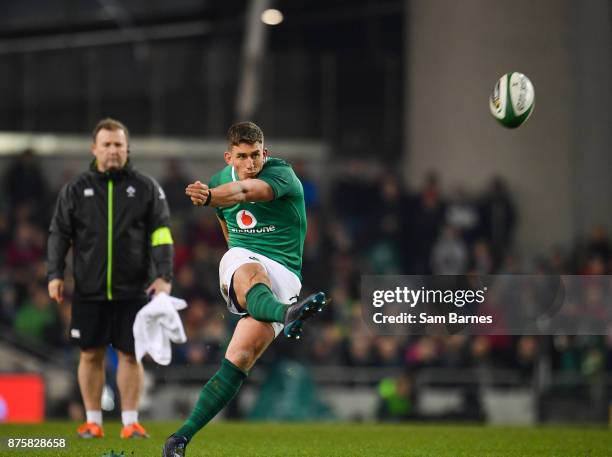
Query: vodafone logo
<point x="245" y="219"/>
<point x="246" y="224"/>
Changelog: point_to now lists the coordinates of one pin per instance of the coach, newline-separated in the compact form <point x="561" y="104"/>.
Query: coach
<point x="117" y="221"/>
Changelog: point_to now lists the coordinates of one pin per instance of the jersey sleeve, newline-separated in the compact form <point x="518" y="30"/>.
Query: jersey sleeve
<point x="282" y="180"/>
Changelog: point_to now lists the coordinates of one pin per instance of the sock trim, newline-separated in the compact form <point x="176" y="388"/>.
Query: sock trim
<point x="237" y="370"/>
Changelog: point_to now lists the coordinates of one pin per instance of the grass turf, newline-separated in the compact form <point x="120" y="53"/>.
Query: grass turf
<point x="330" y="440"/>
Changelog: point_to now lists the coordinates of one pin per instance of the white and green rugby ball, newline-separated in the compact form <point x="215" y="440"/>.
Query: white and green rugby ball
<point x="512" y="99"/>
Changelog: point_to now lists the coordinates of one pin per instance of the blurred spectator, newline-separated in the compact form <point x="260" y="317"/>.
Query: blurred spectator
<point x="449" y="254"/>
<point x="455" y="351"/>
<point x="326" y="348"/>
<point x="360" y="351"/>
<point x="337" y="237"/>
<point x="23" y="254"/>
<point x="498" y="218"/>
<point x="396" y="398"/>
<point x="384" y="258"/>
<point x="354" y="194"/>
<point x="462" y="214"/>
<point x="426" y="217"/>
<point x="389" y="217"/>
<point x="311" y="191"/>
<point x="346" y="272"/>
<point x="593" y="362"/>
<point x="385" y="233"/>
<point x="388" y="351"/>
<point x="8" y="297"/>
<point x="482" y="258"/>
<point x="206" y="334"/>
<point x="205" y="263"/>
<point x="599" y="245"/>
<point x="182" y="251"/>
<point x="347" y="306"/>
<point x="526" y="355"/>
<point x="422" y="353"/>
<point x="186" y="284"/>
<point x="480" y="351"/>
<point x="25" y="184"/>
<point x="594" y="265"/>
<point x="26" y="247"/>
<point x="205" y="228"/>
<point x="566" y="354"/>
<point x="193" y="351"/>
<point x="558" y="262"/>
<point x="37" y="320"/>
<point x="313" y="262"/>
<point x="174" y="182"/>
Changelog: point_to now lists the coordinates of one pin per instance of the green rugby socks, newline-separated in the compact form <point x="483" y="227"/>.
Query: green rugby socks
<point x="217" y="393"/>
<point x="263" y="305"/>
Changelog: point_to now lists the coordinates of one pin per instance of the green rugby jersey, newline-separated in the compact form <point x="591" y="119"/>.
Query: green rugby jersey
<point x="276" y="228"/>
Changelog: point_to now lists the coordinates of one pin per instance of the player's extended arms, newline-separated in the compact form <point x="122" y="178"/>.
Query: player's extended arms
<point x="246" y="190"/>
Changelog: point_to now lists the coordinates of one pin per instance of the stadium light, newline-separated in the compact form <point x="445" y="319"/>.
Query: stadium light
<point x="272" y="16"/>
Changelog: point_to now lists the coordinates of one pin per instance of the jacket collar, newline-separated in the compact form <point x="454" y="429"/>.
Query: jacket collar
<point x="114" y="174"/>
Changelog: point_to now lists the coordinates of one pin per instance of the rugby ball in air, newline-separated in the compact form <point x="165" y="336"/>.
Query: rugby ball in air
<point x="512" y="99"/>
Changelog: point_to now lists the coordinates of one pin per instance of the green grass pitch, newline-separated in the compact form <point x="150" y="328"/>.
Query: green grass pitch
<point x="331" y="440"/>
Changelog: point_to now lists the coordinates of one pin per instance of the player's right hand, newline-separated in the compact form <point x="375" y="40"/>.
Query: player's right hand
<point x="56" y="290"/>
<point x="197" y="192"/>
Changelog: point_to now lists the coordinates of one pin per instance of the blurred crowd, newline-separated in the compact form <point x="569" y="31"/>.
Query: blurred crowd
<point x="364" y="222"/>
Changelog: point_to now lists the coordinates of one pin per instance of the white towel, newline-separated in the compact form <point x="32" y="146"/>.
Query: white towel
<point x="156" y="325"/>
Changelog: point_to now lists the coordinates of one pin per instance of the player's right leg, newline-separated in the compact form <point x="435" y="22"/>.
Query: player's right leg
<point x="254" y="293"/>
<point x="250" y="340"/>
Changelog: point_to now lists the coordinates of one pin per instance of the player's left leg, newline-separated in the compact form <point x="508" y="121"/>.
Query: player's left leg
<point x="250" y="340"/>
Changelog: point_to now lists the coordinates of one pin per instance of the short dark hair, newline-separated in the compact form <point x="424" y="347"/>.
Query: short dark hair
<point x="109" y="123"/>
<point x="244" y="132"/>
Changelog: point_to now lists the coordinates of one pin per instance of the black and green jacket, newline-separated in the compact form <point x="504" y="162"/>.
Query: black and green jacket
<point x="118" y="226"/>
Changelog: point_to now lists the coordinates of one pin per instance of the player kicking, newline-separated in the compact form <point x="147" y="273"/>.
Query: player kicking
<point x="260" y="205"/>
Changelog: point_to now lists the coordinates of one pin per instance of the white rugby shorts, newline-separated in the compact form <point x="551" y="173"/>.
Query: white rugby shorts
<point x="285" y="284"/>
